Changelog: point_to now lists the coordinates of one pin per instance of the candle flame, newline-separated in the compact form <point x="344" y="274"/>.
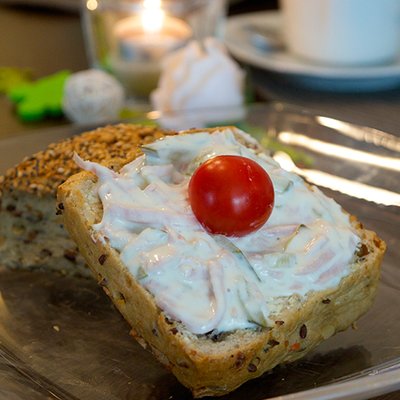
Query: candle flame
<point x="91" y="5"/>
<point x="152" y="16"/>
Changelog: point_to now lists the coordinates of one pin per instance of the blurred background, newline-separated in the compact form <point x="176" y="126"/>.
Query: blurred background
<point x="46" y="36"/>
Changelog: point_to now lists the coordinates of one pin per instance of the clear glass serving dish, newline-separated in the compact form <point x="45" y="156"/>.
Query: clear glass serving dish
<point x="60" y="337"/>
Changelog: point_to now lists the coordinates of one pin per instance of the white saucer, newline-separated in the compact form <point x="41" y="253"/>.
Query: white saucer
<point x="239" y="39"/>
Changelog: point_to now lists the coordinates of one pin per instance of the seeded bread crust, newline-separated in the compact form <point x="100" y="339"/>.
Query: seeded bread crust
<point x="31" y="234"/>
<point x="216" y="365"/>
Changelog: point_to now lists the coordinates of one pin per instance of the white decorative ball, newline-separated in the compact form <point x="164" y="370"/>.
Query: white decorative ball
<point x="92" y="96"/>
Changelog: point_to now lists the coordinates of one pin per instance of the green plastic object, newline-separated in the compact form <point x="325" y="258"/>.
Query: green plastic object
<point x="40" y="99"/>
<point x="11" y="77"/>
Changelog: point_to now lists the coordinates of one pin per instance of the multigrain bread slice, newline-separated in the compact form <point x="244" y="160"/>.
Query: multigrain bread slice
<point x="31" y="231"/>
<point x="210" y="364"/>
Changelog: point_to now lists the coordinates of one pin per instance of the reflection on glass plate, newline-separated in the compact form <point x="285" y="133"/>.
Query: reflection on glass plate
<point x="60" y="338"/>
<point x="351" y="188"/>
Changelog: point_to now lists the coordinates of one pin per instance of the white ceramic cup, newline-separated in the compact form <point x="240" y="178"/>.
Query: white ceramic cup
<point x="342" y="32"/>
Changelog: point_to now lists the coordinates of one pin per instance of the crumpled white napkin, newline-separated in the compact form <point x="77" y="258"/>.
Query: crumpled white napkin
<point x="199" y="76"/>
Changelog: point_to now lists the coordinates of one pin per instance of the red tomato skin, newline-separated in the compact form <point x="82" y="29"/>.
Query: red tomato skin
<point x="231" y="195"/>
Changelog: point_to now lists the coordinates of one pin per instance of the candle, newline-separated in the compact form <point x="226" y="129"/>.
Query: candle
<point x="141" y="41"/>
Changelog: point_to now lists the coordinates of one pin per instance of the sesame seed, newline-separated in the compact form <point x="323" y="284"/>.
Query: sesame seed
<point x="43" y="172"/>
<point x="303" y="331"/>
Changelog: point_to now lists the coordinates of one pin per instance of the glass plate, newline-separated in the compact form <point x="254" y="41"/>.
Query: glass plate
<point x="60" y="338"/>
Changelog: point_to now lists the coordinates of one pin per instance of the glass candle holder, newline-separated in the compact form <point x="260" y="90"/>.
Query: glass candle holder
<point x="130" y="38"/>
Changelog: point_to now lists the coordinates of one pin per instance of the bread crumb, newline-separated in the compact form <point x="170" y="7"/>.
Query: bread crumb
<point x="56" y="328"/>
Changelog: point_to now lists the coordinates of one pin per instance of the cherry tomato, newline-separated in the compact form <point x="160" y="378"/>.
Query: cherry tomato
<point x="231" y="195"/>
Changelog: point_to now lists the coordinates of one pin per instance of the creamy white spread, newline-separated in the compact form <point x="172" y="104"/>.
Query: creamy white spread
<point x="213" y="282"/>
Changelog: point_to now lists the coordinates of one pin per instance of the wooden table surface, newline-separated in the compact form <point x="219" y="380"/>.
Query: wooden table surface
<point x="48" y="40"/>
